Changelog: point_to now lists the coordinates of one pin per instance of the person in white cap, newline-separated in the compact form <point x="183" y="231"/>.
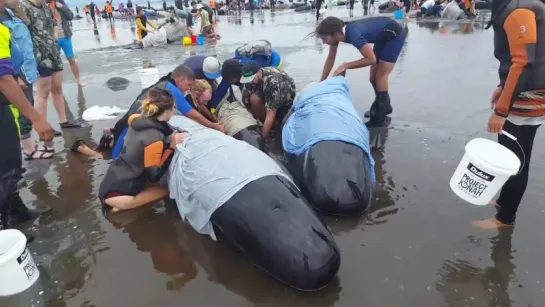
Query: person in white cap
<point x="205" y="67"/>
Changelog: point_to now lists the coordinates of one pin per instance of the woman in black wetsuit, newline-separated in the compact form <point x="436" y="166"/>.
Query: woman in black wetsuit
<point x="387" y="37"/>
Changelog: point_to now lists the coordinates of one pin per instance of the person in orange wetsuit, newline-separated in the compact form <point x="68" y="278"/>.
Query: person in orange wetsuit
<point x="132" y="178"/>
<point x="519" y="99"/>
<point x="109" y="11"/>
<point x="141" y="23"/>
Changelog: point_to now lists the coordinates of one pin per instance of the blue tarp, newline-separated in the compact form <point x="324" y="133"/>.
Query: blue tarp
<point x="324" y="112"/>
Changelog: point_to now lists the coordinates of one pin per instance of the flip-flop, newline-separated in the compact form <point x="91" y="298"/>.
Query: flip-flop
<point x="45" y="148"/>
<point x="30" y="156"/>
<point x="69" y="125"/>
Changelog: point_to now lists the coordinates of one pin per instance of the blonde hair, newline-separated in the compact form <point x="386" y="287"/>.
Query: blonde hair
<point x="197" y="89"/>
<point x="157" y="102"/>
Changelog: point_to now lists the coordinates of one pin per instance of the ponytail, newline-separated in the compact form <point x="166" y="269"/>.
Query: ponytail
<point x="148" y="108"/>
<point x="157" y="102"/>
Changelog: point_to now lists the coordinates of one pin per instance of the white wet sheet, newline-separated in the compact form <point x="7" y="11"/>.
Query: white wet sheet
<point x="210" y="167"/>
<point x="102" y="113"/>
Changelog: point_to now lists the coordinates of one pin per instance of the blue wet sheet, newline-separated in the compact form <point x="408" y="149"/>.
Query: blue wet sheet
<point x="324" y="112"/>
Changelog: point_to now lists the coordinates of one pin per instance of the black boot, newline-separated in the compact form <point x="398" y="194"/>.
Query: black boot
<point x="389" y="109"/>
<point x="379" y="110"/>
<point x="18" y="213"/>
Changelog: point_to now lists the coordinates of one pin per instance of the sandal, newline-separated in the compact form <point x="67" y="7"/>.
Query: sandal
<point x="30" y="156"/>
<point x="44" y="148"/>
<point x="69" y="124"/>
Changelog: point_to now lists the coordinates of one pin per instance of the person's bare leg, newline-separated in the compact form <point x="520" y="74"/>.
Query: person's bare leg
<point x="149" y="195"/>
<point x="86" y="151"/>
<point x="56" y="95"/>
<point x="74" y="67"/>
<point x="43" y="88"/>
<point x="384" y="69"/>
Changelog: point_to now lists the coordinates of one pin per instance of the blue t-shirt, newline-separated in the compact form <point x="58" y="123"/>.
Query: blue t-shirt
<point x="365" y="31"/>
<point x="181" y="103"/>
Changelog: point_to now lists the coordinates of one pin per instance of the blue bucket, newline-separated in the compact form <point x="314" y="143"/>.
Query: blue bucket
<point x="200" y="40"/>
<point x="398" y="14"/>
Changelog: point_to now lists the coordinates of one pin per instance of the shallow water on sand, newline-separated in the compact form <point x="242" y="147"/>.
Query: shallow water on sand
<point x="415" y="247"/>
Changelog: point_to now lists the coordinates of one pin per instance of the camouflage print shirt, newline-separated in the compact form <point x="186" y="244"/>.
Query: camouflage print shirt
<point x="41" y="27"/>
<point x="277" y="89"/>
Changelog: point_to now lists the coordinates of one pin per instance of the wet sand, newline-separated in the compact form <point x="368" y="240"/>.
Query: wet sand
<point x="415" y="247"/>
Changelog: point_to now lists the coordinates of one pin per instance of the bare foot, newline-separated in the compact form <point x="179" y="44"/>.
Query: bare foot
<point x="80" y="83"/>
<point x="489" y="224"/>
<point x="107" y="130"/>
<point x="114" y="210"/>
<point x="493" y="203"/>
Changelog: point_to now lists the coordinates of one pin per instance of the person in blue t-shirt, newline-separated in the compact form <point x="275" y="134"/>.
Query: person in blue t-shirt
<point x="388" y="37"/>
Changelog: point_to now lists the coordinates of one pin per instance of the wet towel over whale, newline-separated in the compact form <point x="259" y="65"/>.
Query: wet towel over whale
<point x="210" y="167"/>
<point x="324" y="112"/>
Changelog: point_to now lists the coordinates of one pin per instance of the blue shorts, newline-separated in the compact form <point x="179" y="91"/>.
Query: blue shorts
<point x="389" y="51"/>
<point x="65" y="44"/>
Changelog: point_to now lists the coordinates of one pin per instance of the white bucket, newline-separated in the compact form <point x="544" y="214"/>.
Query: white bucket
<point x="484" y="169"/>
<point x="18" y="270"/>
<point x="149" y="76"/>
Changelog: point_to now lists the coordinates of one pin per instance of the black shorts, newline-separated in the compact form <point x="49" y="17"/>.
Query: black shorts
<point x="407" y="4"/>
<point x="45" y="72"/>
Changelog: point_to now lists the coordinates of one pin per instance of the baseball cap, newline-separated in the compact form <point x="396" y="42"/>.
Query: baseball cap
<point x="211" y="68"/>
<point x="248" y="71"/>
<point x="199" y="6"/>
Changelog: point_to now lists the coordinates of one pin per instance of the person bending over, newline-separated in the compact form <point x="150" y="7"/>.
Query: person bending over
<point x="268" y="94"/>
<point x="132" y="179"/>
<point x="141" y="24"/>
<point x="388" y="37"/>
<point x="200" y="94"/>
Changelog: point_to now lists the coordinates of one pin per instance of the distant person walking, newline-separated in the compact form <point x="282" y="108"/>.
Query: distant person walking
<point x="62" y="15"/>
<point x="109" y="11"/>
<point x="92" y="7"/>
<point x="130" y="8"/>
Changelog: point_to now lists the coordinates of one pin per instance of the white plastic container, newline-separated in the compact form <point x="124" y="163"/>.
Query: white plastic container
<point x="18" y="270"/>
<point x="149" y="76"/>
<point x="483" y="171"/>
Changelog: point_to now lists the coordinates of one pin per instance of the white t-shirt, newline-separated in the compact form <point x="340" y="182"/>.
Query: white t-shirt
<point x="530" y="121"/>
<point x="428" y="4"/>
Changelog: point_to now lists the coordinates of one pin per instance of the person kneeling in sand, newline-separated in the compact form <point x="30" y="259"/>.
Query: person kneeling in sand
<point x="268" y="93"/>
<point x="132" y="179"/>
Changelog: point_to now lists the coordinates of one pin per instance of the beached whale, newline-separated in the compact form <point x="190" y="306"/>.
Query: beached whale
<point x="302" y="8"/>
<point x="327" y="149"/>
<point x="228" y="188"/>
<point x="240" y="123"/>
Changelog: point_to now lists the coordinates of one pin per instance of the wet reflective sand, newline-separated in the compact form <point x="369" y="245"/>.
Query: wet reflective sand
<point x="415" y="247"/>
